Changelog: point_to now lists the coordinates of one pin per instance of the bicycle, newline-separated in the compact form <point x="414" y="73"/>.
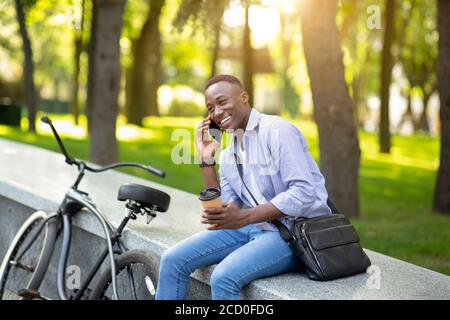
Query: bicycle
<point x="28" y="257"/>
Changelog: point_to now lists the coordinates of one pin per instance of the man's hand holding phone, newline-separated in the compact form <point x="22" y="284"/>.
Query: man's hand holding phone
<point x="205" y="146"/>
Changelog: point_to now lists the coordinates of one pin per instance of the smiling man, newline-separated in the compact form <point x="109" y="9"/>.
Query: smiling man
<point x="280" y="181"/>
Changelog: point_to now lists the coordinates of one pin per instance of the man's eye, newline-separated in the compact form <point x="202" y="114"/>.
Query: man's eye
<point x="222" y="102"/>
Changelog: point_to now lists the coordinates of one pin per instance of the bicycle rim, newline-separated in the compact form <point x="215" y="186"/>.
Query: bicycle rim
<point x="17" y="274"/>
<point x="136" y="278"/>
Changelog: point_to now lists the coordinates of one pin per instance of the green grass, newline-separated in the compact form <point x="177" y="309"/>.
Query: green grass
<point x="396" y="190"/>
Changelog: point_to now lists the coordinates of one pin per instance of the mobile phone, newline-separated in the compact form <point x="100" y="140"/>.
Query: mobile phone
<point x="215" y="131"/>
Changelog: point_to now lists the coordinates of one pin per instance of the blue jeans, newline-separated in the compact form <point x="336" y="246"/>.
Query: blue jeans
<point x="242" y="255"/>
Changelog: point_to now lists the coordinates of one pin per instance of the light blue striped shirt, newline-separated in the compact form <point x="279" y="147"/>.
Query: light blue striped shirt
<point x="278" y="168"/>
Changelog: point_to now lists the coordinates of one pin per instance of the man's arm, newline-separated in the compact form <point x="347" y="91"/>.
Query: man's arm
<point x="232" y="217"/>
<point x="210" y="177"/>
<point x="262" y="212"/>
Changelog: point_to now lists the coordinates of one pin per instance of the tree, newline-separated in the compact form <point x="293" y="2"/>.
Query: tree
<point x="442" y="189"/>
<point x="104" y="79"/>
<point x="351" y="31"/>
<point x="418" y="58"/>
<point x="386" y="76"/>
<point x="28" y="72"/>
<point x="291" y="99"/>
<point x="210" y="12"/>
<point x="144" y="76"/>
<point x="248" y="52"/>
<point x="338" y="138"/>
<point x="206" y="15"/>
<point x="78" y="44"/>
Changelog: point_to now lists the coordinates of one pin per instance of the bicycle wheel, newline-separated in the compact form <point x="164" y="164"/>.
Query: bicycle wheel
<point x="137" y="277"/>
<point x="26" y="260"/>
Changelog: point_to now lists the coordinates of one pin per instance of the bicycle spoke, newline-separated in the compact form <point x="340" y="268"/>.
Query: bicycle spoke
<point x="133" y="283"/>
<point x="32" y="239"/>
<point x="130" y="276"/>
<point x="23" y="262"/>
<point x="22" y="266"/>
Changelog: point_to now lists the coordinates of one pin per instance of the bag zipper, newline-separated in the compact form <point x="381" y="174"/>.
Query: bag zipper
<point x="303" y="232"/>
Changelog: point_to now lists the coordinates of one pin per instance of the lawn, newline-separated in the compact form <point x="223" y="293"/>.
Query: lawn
<point x="396" y="190"/>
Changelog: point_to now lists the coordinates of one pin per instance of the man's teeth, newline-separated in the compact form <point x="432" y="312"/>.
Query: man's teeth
<point x="225" y="120"/>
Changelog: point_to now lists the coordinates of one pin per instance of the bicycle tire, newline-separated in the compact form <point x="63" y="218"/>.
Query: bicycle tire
<point x="145" y="285"/>
<point x="38" y="258"/>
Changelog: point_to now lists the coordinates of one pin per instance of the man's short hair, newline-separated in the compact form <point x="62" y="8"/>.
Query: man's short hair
<point x="224" y="77"/>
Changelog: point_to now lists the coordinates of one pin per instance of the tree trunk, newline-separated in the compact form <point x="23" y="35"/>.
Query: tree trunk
<point x="137" y="84"/>
<point x="107" y="22"/>
<point x="291" y="99"/>
<point x="28" y="72"/>
<point x="215" y="49"/>
<point x="248" y="56"/>
<point x="356" y="99"/>
<point x="386" y="75"/>
<point x="154" y="74"/>
<point x="423" y="124"/>
<point x="144" y="75"/>
<point x="78" y="43"/>
<point x="75" y="105"/>
<point x="92" y="48"/>
<point x="338" y="138"/>
<point x="408" y="114"/>
<point x="442" y="190"/>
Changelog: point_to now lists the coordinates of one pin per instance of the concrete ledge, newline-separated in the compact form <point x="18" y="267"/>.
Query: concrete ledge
<point x="33" y="178"/>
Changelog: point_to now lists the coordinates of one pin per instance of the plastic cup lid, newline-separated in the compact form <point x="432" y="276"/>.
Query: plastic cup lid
<point x="209" y="194"/>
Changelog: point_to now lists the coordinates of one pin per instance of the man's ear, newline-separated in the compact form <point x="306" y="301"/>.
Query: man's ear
<point x="244" y="96"/>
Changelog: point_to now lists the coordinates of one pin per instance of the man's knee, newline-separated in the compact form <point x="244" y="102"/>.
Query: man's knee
<point x="170" y="259"/>
<point x="223" y="279"/>
<point x="173" y="260"/>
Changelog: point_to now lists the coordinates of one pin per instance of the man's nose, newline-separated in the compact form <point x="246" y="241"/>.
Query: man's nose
<point x="218" y="112"/>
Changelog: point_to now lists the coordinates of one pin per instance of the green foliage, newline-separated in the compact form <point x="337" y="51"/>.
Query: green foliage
<point x="47" y="21"/>
<point x="10" y="42"/>
<point x="50" y="28"/>
<point x="134" y="17"/>
<point x="419" y="51"/>
<point x="291" y="99"/>
<point x="185" y="108"/>
<point x="28" y="4"/>
<point x="361" y="46"/>
<point x="185" y="63"/>
<point x="186" y="56"/>
<point x="200" y="14"/>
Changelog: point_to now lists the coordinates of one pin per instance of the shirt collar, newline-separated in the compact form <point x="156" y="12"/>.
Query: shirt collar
<point x="252" y="123"/>
<point x="253" y="119"/>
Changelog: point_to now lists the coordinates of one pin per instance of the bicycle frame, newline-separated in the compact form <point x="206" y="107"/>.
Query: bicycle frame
<point x="73" y="202"/>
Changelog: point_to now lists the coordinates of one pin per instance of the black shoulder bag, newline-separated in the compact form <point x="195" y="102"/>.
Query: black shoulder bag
<point x="328" y="247"/>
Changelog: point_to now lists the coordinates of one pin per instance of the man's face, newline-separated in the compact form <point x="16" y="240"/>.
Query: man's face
<point x="227" y="104"/>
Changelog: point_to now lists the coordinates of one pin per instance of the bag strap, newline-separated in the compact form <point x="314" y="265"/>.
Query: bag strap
<point x="286" y="235"/>
<point x="284" y="232"/>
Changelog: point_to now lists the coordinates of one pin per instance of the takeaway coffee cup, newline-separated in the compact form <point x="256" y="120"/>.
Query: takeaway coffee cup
<point x="210" y="198"/>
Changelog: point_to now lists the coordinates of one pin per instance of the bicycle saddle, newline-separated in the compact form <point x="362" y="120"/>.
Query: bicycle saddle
<point x="145" y="196"/>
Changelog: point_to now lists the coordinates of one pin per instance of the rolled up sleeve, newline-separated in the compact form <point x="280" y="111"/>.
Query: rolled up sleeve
<point x="287" y="146"/>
